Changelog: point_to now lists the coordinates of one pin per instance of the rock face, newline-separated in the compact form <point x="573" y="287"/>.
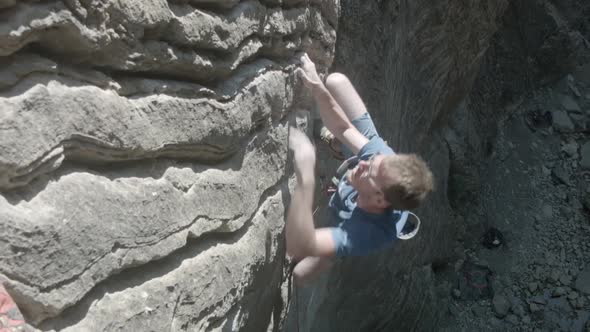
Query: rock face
<point x="143" y="159"/>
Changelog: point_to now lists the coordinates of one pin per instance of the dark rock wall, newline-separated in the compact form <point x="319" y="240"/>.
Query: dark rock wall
<point x="437" y="77"/>
<point x="539" y="42"/>
<point x="412" y="63"/>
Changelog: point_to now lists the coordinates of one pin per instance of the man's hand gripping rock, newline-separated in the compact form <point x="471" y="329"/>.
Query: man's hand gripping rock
<point x="308" y="72"/>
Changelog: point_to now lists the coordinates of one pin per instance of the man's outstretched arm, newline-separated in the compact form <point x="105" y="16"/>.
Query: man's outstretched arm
<point x="302" y="240"/>
<point x="331" y="113"/>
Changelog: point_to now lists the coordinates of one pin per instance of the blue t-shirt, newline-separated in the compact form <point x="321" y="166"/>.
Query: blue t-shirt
<point x="359" y="232"/>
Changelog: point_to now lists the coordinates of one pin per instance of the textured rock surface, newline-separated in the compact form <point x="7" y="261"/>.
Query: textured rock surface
<point x="143" y="163"/>
<point x="141" y="42"/>
<point x="143" y="159"/>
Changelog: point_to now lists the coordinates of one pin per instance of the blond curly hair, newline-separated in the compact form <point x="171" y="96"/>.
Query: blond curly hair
<point x="407" y="180"/>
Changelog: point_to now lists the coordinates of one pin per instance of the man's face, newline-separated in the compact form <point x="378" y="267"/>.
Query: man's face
<point x="365" y="178"/>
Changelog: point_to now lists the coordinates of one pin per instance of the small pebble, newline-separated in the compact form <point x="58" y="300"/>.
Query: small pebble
<point x="533" y="286"/>
<point x="557" y="292"/>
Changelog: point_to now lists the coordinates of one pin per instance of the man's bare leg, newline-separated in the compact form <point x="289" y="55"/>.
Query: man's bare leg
<point x="309" y="268"/>
<point x="345" y="95"/>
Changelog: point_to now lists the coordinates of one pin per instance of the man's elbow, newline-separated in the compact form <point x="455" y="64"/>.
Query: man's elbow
<point x="309" y="268"/>
<point x="298" y="252"/>
<point x="293" y="252"/>
<point x="301" y="278"/>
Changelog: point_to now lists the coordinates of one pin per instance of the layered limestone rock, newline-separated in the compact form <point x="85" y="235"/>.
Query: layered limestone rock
<point x="143" y="159"/>
<point x="137" y="47"/>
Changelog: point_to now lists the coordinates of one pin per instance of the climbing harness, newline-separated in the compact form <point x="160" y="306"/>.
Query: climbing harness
<point x="332" y="143"/>
<point x="407" y="227"/>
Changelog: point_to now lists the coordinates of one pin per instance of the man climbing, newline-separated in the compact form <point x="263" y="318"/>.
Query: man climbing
<point x="369" y="196"/>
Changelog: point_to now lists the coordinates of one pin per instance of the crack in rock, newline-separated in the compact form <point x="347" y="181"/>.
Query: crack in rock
<point x="53" y="122"/>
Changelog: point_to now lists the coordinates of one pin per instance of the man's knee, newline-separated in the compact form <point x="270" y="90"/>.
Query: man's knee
<point x="309" y="268"/>
<point x="299" y="277"/>
<point x="303" y="274"/>
<point x="337" y="80"/>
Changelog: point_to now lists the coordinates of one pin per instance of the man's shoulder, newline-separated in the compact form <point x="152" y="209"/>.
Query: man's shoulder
<point x="360" y="215"/>
<point x="375" y="145"/>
